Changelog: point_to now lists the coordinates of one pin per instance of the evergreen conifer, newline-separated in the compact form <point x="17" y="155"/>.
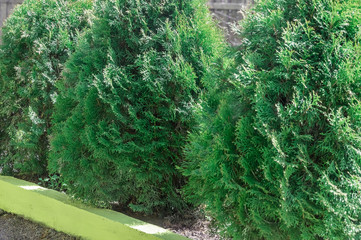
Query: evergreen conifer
<point x="278" y="151"/>
<point x="125" y="104"/>
<point x="37" y="39"/>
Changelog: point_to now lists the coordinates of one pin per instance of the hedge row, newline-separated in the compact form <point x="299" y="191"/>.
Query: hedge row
<point x="102" y="95"/>
<point x="141" y="102"/>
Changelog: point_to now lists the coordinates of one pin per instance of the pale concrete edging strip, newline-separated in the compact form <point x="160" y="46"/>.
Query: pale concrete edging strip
<point x="59" y="212"/>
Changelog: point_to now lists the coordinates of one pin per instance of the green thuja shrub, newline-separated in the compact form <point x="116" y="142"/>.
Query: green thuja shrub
<point x="37" y="39"/>
<point x="125" y="103"/>
<point x="277" y="154"/>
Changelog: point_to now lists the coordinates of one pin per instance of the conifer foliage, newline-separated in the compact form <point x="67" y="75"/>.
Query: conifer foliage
<point x="37" y="39"/>
<point x="125" y="103"/>
<point x="278" y="154"/>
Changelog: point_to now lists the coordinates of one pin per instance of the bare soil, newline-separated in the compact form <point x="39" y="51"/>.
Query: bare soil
<point x="191" y="224"/>
<point x="193" y="228"/>
<point x="13" y="227"/>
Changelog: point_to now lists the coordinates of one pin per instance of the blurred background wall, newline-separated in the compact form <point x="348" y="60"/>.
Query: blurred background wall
<point x="6" y="7"/>
<point x="227" y="13"/>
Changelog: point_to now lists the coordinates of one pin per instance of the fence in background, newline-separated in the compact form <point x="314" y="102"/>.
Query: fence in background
<point x="227" y="12"/>
<point x="6" y="7"/>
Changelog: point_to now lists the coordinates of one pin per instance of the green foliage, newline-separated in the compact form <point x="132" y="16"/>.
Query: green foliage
<point x="37" y="39"/>
<point x="125" y="104"/>
<point x="52" y="182"/>
<point x="278" y="151"/>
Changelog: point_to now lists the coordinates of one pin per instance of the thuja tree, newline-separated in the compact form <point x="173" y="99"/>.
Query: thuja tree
<point x="125" y="104"/>
<point x="277" y="153"/>
<point x="37" y="39"/>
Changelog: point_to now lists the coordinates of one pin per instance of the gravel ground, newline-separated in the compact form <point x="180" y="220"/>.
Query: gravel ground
<point x="16" y="228"/>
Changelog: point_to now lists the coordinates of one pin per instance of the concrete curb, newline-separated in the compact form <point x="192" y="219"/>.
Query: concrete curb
<point x="56" y="210"/>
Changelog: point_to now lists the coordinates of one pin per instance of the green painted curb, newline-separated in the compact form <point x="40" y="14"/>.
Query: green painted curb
<point x="56" y="210"/>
